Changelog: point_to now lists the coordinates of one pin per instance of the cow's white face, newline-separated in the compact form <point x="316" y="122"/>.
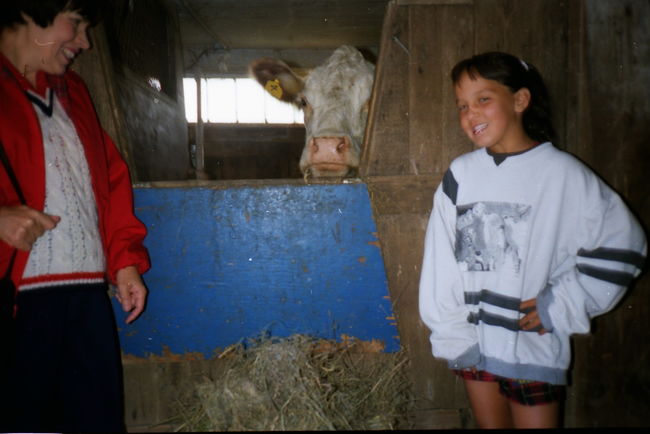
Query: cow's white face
<point x="334" y="98"/>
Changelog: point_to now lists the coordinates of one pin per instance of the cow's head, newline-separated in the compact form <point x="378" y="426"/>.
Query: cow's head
<point x="334" y="98"/>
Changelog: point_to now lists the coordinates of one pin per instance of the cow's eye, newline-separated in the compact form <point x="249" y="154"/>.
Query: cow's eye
<point x="302" y="102"/>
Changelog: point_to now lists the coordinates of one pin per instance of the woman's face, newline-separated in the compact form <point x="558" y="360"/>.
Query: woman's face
<point x="59" y="43"/>
<point x="490" y="114"/>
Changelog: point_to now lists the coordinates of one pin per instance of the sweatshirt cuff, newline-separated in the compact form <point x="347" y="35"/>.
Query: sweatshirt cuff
<point x="544" y="300"/>
<point x="471" y="357"/>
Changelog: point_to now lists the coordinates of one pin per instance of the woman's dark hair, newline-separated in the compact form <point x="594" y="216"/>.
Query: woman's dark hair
<point x="43" y="12"/>
<point x="515" y="74"/>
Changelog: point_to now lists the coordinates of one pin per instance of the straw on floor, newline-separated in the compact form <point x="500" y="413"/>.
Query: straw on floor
<point x="299" y="384"/>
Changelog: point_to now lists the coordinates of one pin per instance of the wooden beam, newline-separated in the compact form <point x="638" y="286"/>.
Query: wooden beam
<point x="433" y="2"/>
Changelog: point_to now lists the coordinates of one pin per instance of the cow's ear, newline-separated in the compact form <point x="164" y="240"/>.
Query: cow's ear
<point x="277" y="78"/>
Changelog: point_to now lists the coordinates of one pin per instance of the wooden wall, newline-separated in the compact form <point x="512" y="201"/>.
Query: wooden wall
<point x="135" y="49"/>
<point x="251" y="151"/>
<point x="599" y="92"/>
<point x="609" y="129"/>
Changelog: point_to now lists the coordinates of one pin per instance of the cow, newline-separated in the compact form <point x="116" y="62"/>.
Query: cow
<point x="334" y="97"/>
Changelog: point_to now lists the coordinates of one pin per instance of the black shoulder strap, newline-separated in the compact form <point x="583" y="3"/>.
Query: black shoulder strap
<point x="14" y="181"/>
<point x="12" y="175"/>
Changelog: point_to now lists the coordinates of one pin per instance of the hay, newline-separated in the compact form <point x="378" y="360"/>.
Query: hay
<point x="301" y="384"/>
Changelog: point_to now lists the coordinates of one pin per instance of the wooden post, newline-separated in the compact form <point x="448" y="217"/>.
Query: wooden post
<point x="410" y="140"/>
<point x="199" y="154"/>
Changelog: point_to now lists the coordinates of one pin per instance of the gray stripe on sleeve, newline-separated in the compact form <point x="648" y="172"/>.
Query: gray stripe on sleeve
<point x="620" y="255"/>
<point x="617" y="277"/>
<point x="497" y="321"/>
<point x="492" y="298"/>
<point x="450" y="186"/>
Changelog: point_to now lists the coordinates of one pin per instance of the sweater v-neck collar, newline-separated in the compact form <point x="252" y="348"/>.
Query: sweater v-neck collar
<point x="500" y="157"/>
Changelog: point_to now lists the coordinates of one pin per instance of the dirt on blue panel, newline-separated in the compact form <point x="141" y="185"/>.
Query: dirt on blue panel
<point x="233" y="264"/>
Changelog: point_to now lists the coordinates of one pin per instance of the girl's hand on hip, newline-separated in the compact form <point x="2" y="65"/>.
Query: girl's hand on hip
<point x="531" y="320"/>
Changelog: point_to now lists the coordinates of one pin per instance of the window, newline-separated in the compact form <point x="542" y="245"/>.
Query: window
<point x="237" y="100"/>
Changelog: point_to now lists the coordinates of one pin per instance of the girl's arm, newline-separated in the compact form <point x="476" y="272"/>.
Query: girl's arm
<point x="441" y="297"/>
<point x="610" y="253"/>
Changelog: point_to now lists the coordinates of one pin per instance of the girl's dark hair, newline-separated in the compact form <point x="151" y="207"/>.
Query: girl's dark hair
<point x="515" y="74"/>
<point x="43" y="12"/>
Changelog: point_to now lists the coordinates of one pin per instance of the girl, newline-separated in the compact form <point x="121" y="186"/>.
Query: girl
<point x="524" y="246"/>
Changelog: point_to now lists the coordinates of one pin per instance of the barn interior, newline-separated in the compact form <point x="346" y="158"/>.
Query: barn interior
<point x="166" y="41"/>
<point x="595" y="56"/>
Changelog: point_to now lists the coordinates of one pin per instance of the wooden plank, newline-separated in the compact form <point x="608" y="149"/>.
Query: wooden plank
<point x="403" y="195"/>
<point x="535" y="31"/>
<point x="578" y="134"/>
<point x="425" y="91"/>
<point x="433" y="2"/>
<point x="611" y="365"/>
<point x="443" y="36"/>
<point x="402" y="243"/>
<point x="413" y="94"/>
<point x="444" y="419"/>
<point x="387" y="128"/>
<point x="158" y="389"/>
<point x="456" y="43"/>
<point x="403" y="166"/>
<point x="278" y="24"/>
<point x="96" y="68"/>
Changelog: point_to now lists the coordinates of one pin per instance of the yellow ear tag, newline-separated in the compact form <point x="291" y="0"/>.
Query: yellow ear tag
<point x="273" y="87"/>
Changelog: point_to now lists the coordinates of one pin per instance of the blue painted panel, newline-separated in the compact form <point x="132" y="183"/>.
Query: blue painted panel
<point x="230" y="264"/>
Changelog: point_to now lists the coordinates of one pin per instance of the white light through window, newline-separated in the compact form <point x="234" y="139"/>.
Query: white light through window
<point x="237" y="100"/>
<point x="280" y="112"/>
<point x="249" y="94"/>
<point x="220" y="98"/>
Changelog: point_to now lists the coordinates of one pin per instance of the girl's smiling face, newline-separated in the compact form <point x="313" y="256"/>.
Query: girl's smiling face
<point x="491" y="114"/>
<point x="59" y="43"/>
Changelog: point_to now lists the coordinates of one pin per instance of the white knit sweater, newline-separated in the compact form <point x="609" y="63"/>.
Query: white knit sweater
<point x="72" y="252"/>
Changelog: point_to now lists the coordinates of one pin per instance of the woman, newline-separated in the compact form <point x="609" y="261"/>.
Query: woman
<point x="75" y="234"/>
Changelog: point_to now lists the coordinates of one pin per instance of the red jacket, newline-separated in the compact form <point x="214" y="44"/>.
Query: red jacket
<point x="122" y="233"/>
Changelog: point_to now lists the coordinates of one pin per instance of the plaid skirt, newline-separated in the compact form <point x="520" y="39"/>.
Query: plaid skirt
<point x="525" y="392"/>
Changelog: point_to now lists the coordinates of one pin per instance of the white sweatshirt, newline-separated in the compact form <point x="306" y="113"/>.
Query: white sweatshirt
<point x="541" y="225"/>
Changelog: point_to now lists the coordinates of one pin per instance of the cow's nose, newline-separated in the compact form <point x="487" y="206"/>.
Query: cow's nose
<point x="342" y="146"/>
<point x="332" y="145"/>
<point x="329" y="156"/>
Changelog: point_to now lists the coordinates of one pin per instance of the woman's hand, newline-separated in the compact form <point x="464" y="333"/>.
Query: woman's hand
<point x="131" y="292"/>
<point x="20" y="226"/>
<point x="531" y="320"/>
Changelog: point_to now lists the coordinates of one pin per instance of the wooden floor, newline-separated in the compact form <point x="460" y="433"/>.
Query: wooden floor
<point x="151" y="428"/>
